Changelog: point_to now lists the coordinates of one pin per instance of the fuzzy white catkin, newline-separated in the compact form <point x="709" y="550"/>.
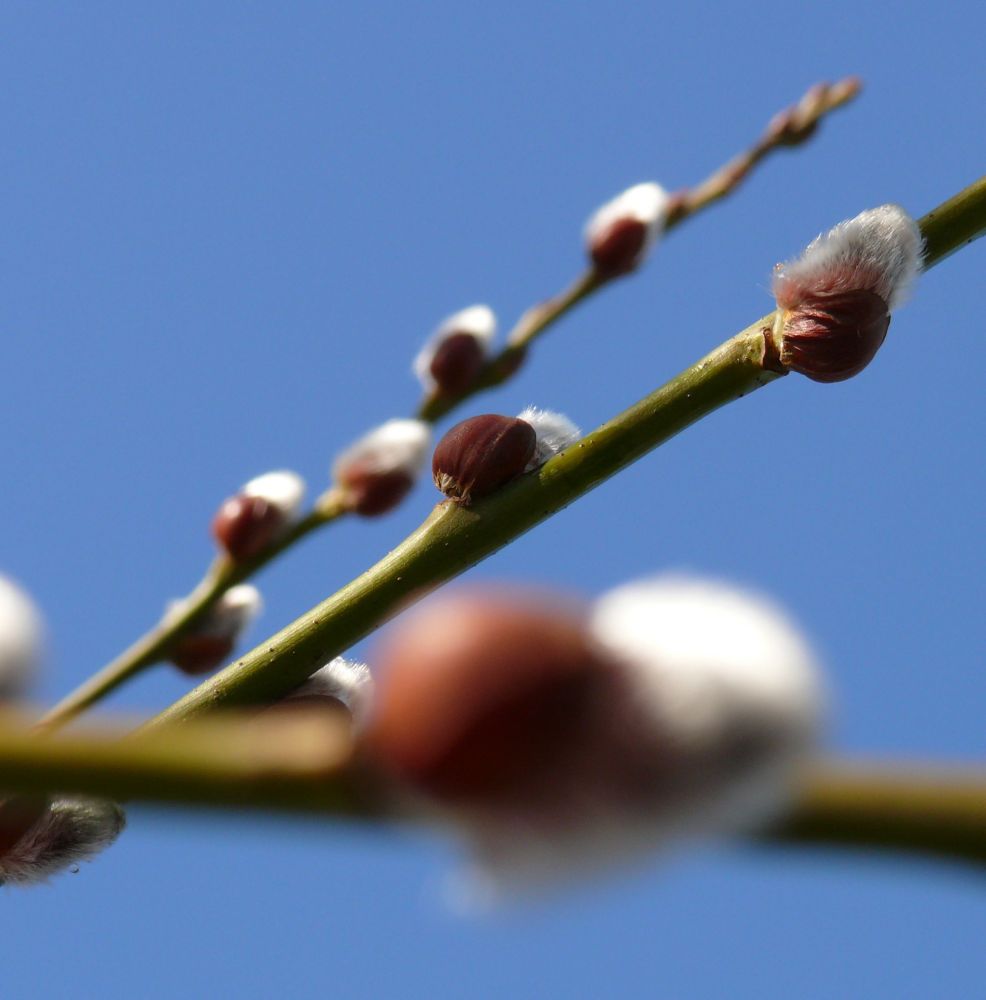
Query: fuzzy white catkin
<point x="478" y="321"/>
<point x="879" y="251"/>
<point x="396" y="446"/>
<point x="70" y="831"/>
<point x="282" y="489"/>
<point x="345" y="680"/>
<point x="733" y="695"/>
<point x="646" y="203"/>
<point x="554" y="433"/>
<point x="21" y="639"/>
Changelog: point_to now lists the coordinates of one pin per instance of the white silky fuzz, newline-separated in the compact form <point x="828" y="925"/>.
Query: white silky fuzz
<point x="731" y="682"/>
<point x="718" y="707"/>
<point x="21" y="639"/>
<point x="396" y="446"/>
<point x="70" y="831"/>
<point x="283" y="489"/>
<point x="345" y="680"/>
<point x="555" y="432"/>
<point x="879" y="251"/>
<point x="233" y="612"/>
<point x="478" y="321"/>
<point x="645" y="203"/>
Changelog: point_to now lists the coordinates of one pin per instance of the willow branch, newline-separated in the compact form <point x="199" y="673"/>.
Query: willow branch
<point x="788" y="128"/>
<point x="153" y="646"/>
<point x="455" y="537"/>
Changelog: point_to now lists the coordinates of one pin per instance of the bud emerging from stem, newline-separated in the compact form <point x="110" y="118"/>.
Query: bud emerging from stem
<point x="453" y="357"/>
<point x="479" y="455"/>
<point x="246" y="524"/>
<point x="834" y="301"/>
<point x="20" y="639"/>
<point x="559" y="739"/>
<point x="209" y="643"/>
<point x="620" y="233"/>
<point x="67" y="832"/>
<point x="378" y="471"/>
<point x="343" y="683"/>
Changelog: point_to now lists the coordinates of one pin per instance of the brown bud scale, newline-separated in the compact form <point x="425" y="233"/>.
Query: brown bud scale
<point x="370" y="492"/>
<point x="481" y="454"/>
<point x="200" y="654"/>
<point x="831" y="337"/>
<point x="245" y="526"/>
<point x="457" y="363"/>
<point x="618" y="249"/>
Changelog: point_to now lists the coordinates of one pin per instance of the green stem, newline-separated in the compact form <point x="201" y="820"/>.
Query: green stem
<point x="939" y="811"/>
<point x="454" y="537"/>
<point x="153" y="646"/>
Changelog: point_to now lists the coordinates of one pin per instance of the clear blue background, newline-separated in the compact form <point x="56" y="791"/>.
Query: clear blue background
<point x="225" y="229"/>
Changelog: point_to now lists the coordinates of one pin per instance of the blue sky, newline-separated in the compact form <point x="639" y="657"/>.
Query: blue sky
<point x="226" y="228"/>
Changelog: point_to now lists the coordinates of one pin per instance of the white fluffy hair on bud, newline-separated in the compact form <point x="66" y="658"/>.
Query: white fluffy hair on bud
<point x="234" y="611"/>
<point x="70" y="831"/>
<point x="554" y="431"/>
<point x="646" y="203"/>
<point x="282" y="489"/>
<point x="398" y="445"/>
<point x="21" y="639"/>
<point x="345" y="680"/>
<point x="478" y="321"/>
<point x="731" y="681"/>
<point x="879" y="251"/>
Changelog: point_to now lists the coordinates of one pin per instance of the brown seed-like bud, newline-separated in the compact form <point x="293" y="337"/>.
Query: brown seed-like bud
<point x="199" y="654"/>
<point x="246" y="525"/>
<point x="831" y="337"/>
<point x="487" y="699"/>
<point x="618" y="249"/>
<point x="371" y="492"/>
<point x="457" y="362"/>
<point x="479" y="455"/>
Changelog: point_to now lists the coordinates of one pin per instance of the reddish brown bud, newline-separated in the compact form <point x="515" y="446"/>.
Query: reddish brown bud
<point x="479" y="455"/>
<point x="18" y="814"/>
<point x="457" y="362"/>
<point x="371" y="492"/>
<point x="487" y="699"/>
<point x="618" y="248"/>
<point x="246" y="525"/>
<point x="832" y="337"/>
<point x="200" y="654"/>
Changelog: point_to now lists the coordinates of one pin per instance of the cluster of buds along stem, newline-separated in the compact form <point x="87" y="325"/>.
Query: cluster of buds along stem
<point x="834" y="301"/>
<point x="454" y="356"/>
<point x="558" y="739"/>
<point x="378" y="471"/>
<point x="620" y="234"/>
<point x="209" y="642"/>
<point x="21" y="640"/>
<point x="479" y="455"/>
<point x="247" y="524"/>
<point x="41" y="837"/>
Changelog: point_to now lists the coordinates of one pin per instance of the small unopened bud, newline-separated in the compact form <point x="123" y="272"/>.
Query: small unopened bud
<point x="68" y="831"/>
<point x="558" y="739"/>
<point x="21" y="639"/>
<point x="834" y="301"/>
<point x="378" y="471"/>
<point x="341" y="683"/>
<point x="620" y="233"/>
<point x="479" y="455"/>
<point x="209" y="643"/>
<point x="248" y="523"/>
<point x="453" y="357"/>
